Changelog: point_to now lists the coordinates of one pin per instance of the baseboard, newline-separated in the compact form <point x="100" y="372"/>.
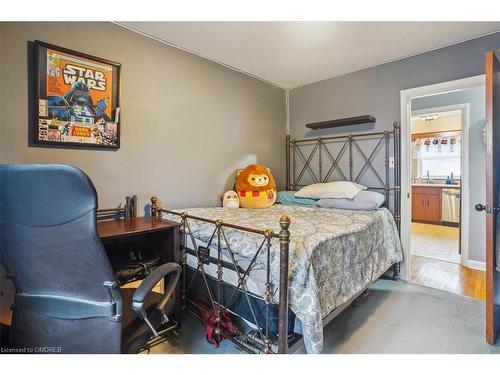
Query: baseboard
<point x="474" y="264"/>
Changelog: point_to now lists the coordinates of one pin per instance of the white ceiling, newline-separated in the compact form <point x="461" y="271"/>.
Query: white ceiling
<point x="291" y="54"/>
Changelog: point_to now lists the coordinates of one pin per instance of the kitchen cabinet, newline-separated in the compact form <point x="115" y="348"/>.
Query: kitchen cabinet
<point x="426" y="204"/>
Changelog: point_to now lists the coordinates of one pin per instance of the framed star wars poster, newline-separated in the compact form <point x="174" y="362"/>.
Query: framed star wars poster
<point x="77" y="101"/>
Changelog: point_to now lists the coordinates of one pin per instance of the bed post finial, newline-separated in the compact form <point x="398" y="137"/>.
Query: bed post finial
<point x="283" y="302"/>
<point x="285" y="223"/>
<point x="155" y="208"/>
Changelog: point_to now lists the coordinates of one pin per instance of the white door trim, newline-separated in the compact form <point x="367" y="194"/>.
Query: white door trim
<point x="406" y="97"/>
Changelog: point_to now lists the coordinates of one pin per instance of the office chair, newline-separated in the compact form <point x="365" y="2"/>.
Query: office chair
<point x="67" y="296"/>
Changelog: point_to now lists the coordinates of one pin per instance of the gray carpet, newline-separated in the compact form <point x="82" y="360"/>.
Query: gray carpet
<point x="395" y="317"/>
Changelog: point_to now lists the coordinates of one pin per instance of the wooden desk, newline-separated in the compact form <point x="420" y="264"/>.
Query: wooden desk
<point x="137" y="232"/>
<point x="133" y="226"/>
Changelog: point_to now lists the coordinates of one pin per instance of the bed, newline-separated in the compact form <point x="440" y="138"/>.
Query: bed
<point x="284" y="272"/>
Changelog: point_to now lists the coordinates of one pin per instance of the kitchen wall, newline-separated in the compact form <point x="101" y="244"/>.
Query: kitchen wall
<point x="187" y="123"/>
<point x="441" y="124"/>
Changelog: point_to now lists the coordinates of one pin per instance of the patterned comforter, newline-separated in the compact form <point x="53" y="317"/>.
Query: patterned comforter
<point x="334" y="253"/>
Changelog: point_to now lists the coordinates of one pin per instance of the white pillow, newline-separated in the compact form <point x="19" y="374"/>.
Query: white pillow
<point x="335" y="189"/>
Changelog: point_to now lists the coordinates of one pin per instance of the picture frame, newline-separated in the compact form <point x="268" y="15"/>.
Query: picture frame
<point x="76" y="99"/>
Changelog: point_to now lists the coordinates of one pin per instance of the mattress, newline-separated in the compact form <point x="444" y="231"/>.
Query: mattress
<point x="229" y="275"/>
<point x="334" y="254"/>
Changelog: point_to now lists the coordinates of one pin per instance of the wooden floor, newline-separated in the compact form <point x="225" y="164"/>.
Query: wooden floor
<point x="448" y="276"/>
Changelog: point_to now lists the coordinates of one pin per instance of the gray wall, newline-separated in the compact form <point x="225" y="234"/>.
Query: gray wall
<point x="376" y="91"/>
<point x="187" y="123"/>
<point x="477" y="163"/>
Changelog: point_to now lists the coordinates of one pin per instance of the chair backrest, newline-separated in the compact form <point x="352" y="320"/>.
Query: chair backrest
<point x="66" y="292"/>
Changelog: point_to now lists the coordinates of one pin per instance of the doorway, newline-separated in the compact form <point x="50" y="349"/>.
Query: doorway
<point x="436" y="169"/>
<point x="436" y="178"/>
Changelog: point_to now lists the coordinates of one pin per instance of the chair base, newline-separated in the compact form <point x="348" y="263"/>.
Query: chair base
<point x="163" y="332"/>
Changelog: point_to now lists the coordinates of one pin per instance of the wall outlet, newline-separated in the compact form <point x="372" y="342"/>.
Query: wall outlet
<point x="391" y="162"/>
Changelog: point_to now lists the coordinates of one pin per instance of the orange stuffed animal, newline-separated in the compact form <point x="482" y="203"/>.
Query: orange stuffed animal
<point x="256" y="187"/>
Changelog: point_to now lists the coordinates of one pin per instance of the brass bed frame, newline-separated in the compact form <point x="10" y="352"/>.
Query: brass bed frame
<point x="259" y="340"/>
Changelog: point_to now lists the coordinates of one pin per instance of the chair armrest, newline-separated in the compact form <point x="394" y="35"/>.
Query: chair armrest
<point x="147" y="285"/>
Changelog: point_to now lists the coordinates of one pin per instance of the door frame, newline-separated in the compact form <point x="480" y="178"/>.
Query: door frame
<point x="406" y="97"/>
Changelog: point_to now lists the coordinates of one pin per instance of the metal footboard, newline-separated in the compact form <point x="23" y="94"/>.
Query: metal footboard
<point x="260" y="339"/>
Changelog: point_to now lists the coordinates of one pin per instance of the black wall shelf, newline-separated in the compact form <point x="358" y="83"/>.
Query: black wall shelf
<point x="365" y="119"/>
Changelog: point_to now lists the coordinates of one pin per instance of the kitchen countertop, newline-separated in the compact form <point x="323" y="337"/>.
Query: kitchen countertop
<point x="449" y="186"/>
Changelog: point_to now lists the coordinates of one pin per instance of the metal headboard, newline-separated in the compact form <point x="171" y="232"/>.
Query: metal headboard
<point x="326" y="154"/>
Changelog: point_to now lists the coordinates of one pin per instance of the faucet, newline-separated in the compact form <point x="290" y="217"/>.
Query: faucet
<point x="428" y="178"/>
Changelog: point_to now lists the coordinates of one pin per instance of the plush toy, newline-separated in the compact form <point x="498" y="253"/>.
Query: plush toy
<point x="230" y="199"/>
<point x="256" y="187"/>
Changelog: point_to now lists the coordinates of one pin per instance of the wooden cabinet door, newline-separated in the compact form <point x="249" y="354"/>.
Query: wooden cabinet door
<point x="426" y="208"/>
<point x="433" y="209"/>
<point x="418" y="207"/>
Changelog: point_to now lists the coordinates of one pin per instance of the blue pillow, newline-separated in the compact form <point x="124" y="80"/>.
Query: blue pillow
<point x="288" y="197"/>
<point x="365" y="200"/>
